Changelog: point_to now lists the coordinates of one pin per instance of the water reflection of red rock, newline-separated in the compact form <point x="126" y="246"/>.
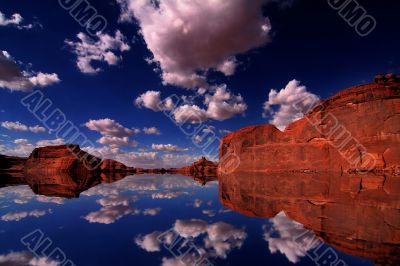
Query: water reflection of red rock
<point x="357" y="214"/>
<point x="202" y="171"/>
<point x="61" y="184"/>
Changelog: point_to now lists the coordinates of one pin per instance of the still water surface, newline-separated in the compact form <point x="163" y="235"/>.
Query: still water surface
<point x="153" y="220"/>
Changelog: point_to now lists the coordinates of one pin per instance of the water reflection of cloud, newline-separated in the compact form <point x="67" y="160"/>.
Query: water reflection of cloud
<point x="168" y="194"/>
<point x="19" y="215"/>
<point x="149" y="242"/>
<point x="110" y="214"/>
<point x="209" y="213"/>
<point x="289" y="238"/>
<point x="141" y="184"/>
<point x="212" y="240"/>
<point x="152" y="211"/>
<point x="24" y="194"/>
<point x="197" y="203"/>
<point x="25" y="258"/>
<point x="117" y="200"/>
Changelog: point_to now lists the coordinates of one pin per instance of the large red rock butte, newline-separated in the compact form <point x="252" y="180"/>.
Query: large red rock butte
<point x="356" y="130"/>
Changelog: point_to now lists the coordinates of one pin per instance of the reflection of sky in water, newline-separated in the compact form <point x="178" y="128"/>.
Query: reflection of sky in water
<point x="123" y="223"/>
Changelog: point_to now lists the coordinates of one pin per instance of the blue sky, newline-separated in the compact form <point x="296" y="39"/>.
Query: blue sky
<point x="223" y="59"/>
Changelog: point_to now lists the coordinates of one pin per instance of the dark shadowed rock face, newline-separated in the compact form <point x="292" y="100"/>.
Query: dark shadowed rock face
<point x="11" y="164"/>
<point x="356" y="130"/>
<point x="357" y="214"/>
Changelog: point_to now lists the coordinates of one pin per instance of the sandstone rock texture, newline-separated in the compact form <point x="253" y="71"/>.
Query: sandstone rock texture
<point x="358" y="213"/>
<point x="64" y="158"/>
<point x="356" y="130"/>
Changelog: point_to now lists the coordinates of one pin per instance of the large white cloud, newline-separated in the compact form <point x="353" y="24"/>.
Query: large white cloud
<point x="14" y="79"/>
<point x="221" y="104"/>
<point x="109" y="127"/>
<point x="189" y="37"/>
<point x="104" y="49"/>
<point x="294" y="101"/>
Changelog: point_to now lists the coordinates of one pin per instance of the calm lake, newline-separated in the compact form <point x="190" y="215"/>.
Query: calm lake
<point x="175" y="220"/>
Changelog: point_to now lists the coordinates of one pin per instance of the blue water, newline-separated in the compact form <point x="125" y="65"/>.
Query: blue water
<point x="119" y="223"/>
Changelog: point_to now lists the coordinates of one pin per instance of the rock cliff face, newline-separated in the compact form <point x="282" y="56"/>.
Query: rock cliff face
<point x="64" y="158"/>
<point x="356" y="130"/>
<point x="357" y="214"/>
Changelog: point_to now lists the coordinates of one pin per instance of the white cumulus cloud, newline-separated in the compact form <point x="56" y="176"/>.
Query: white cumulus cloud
<point x="104" y="49"/>
<point x="18" y="126"/>
<point x="168" y="147"/>
<point x="109" y="127"/>
<point x="293" y="102"/>
<point x="14" y="79"/>
<point x="189" y="37"/>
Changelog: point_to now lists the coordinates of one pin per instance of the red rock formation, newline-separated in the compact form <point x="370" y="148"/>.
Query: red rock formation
<point x="64" y="158"/>
<point x="357" y="214"/>
<point x="108" y="165"/>
<point x="201" y="168"/>
<point x="356" y="130"/>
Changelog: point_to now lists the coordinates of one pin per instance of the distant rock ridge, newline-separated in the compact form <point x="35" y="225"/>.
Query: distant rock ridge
<point x="356" y="130"/>
<point x="70" y="159"/>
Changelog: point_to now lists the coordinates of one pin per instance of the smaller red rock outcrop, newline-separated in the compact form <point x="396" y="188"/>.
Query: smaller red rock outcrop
<point x="200" y="169"/>
<point x="109" y="165"/>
